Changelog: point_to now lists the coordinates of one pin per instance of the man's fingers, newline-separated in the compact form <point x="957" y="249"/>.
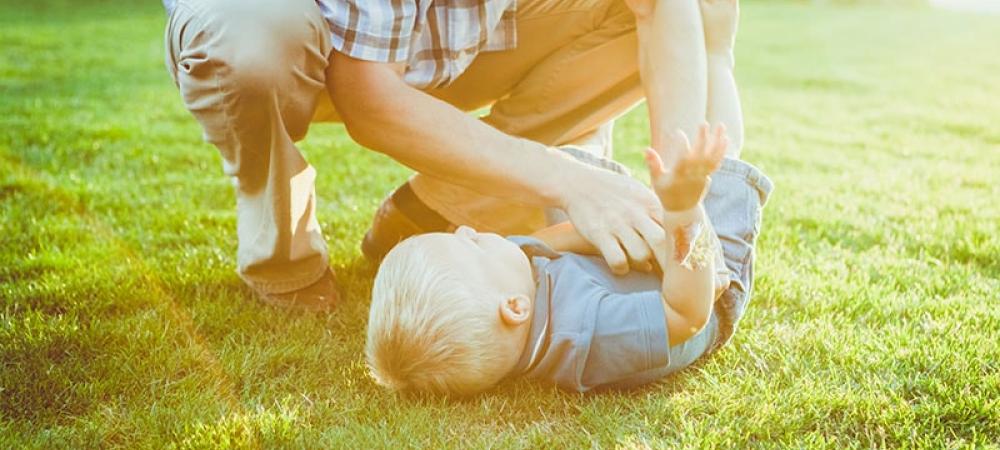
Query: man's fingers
<point x="612" y="253"/>
<point x="635" y="246"/>
<point x="652" y="232"/>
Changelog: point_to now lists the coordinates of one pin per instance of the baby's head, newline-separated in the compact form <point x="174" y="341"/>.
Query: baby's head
<point x="450" y="313"/>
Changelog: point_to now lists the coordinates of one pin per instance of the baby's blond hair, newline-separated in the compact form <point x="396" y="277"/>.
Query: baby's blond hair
<point x="422" y="334"/>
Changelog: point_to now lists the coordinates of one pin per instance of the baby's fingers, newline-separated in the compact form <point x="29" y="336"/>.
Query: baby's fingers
<point x="718" y="134"/>
<point x="678" y="148"/>
<point x="720" y="131"/>
<point x="655" y="164"/>
<point x="679" y="143"/>
<point x="702" y="139"/>
<point x="715" y="159"/>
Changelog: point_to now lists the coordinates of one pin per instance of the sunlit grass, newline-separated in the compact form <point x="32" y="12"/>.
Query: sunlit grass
<point x="874" y="322"/>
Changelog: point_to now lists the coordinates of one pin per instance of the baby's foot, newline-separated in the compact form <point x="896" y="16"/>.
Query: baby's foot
<point x="679" y="173"/>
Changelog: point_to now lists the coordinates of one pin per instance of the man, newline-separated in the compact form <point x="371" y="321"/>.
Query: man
<point x="399" y="74"/>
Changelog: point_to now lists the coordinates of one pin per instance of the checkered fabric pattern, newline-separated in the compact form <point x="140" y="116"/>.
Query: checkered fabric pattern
<point x="438" y="39"/>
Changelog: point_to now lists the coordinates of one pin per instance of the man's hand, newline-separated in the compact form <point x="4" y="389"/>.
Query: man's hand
<point x="679" y="173"/>
<point x="617" y="214"/>
<point x="720" y="18"/>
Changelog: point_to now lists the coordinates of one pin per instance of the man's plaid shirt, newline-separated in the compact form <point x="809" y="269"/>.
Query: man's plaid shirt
<point x="438" y="39"/>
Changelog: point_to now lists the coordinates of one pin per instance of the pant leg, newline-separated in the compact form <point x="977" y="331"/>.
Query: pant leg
<point x="250" y="71"/>
<point x="575" y="69"/>
<point x="734" y="203"/>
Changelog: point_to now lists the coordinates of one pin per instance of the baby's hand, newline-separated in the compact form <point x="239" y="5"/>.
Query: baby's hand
<point x="720" y="18"/>
<point x="679" y="173"/>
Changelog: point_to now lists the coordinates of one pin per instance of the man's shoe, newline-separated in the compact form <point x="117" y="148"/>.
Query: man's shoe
<point x="317" y="297"/>
<point x="400" y="216"/>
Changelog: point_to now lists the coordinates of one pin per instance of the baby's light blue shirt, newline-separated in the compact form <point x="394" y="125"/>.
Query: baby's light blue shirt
<point x="593" y="329"/>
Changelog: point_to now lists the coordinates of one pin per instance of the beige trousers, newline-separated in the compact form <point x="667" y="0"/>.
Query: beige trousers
<point x="252" y="73"/>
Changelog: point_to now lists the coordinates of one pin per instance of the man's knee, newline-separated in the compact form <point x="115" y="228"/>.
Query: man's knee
<point x="237" y="62"/>
<point x="257" y="44"/>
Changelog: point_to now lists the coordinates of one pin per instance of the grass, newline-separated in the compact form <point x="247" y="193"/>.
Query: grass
<point x="874" y="323"/>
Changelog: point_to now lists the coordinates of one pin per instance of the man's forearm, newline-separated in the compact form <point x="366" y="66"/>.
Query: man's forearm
<point x="672" y="65"/>
<point x="383" y="113"/>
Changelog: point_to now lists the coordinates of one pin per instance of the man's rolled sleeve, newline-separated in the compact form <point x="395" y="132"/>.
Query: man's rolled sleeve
<point x="371" y="30"/>
<point x="734" y="205"/>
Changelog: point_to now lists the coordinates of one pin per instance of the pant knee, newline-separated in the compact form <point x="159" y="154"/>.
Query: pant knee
<point x="241" y="60"/>
<point x="259" y="43"/>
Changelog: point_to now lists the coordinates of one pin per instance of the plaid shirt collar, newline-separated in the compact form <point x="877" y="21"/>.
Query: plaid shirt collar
<point x="438" y="39"/>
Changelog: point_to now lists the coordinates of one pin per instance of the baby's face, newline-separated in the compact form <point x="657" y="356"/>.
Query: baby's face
<point x="484" y="259"/>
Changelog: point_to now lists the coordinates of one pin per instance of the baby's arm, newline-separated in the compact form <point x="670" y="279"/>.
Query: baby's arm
<point x="563" y="237"/>
<point x="689" y="264"/>
<point x="671" y="65"/>
<point x="686" y="288"/>
<point x="720" y="18"/>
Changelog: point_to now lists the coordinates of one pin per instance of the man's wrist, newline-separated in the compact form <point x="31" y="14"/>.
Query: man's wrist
<point x="558" y="177"/>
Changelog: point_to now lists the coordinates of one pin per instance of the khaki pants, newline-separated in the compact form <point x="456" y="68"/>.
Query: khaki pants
<point x="252" y="73"/>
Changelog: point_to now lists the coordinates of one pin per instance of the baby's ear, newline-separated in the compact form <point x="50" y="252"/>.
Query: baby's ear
<point x="515" y="310"/>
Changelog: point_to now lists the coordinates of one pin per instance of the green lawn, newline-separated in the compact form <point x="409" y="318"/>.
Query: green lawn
<point x="875" y="321"/>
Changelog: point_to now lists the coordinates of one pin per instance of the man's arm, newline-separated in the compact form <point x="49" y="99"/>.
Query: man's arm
<point x="615" y="213"/>
<point x="383" y="113"/>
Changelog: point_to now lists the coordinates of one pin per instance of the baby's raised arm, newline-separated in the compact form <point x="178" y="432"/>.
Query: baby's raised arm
<point x="673" y="60"/>
<point x="721" y="18"/>
<point x="672" y="65"/>
<point x="682" y="181"/>
<point x="679" y="175"/>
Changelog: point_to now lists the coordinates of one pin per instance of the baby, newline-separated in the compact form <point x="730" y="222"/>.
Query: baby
<point x="454" y="313"/>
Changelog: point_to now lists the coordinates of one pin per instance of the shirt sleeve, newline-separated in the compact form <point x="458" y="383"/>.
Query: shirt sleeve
<point x="607" y="333"/>
<point x="628" y="345"/>
<point x="600" y="336"/>
<point x="371" y="30"/>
